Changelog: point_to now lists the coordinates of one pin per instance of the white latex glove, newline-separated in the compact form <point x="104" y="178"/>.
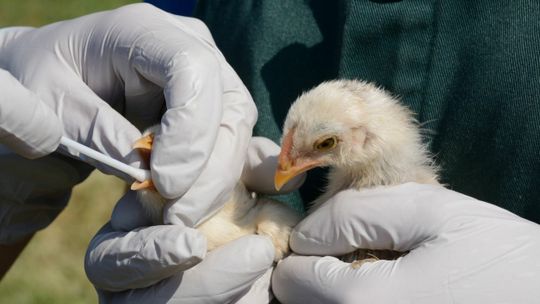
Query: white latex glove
<point x="129" y="262"/>
<point x="27" y="126"/>
<point x="168" y="263"/>
<point x="109" y="73"/>
<point x="462" y="250"/>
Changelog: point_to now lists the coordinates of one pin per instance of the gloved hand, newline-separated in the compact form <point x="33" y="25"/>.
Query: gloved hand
<point x="110" y="74"/>
<point x="131" y="262"/>
<point x="462" y="250"/>
<point x="27" y="126"/>
<point x="168" y="263"/>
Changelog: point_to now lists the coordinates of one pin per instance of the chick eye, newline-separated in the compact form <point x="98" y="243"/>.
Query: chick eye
<point x="325" y="144"/>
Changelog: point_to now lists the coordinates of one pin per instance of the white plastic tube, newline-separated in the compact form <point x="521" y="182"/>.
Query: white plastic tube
<point x="139" y="174"/>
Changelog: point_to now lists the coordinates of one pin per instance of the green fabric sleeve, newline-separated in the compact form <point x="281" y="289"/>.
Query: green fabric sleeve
<point x="469" y="69"/>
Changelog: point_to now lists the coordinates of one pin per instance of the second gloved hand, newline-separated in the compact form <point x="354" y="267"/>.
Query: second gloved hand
<point x="461" y="250"/>
<point x="169" y="264"/>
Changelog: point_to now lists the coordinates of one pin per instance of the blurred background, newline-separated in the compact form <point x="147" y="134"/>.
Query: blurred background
<point x="50" y="269"/>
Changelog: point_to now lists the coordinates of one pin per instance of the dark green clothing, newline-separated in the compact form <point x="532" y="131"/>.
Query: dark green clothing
<point x="469" y="69"/>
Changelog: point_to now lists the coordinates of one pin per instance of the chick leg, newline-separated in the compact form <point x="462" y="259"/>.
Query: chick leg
<point x="146" y="192"/>
<point x="144" y="147"/>
<point x="276" y="220"/>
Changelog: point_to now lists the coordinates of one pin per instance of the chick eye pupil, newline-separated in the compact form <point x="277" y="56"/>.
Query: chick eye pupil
<point x="326" y="144"/>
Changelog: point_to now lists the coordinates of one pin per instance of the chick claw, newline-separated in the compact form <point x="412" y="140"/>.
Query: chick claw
<point x="147" y="184"/>
<point x="144" y="147"/>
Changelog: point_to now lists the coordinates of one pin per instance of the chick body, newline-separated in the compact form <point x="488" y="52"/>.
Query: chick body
<point x="243" y="214"/>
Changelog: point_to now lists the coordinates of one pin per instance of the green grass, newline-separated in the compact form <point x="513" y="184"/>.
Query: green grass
<point x="50" y="270"/>
<point x="40" y="12"/>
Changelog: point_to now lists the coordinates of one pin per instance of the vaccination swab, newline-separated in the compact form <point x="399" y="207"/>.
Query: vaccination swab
<point x="140" y="175"/>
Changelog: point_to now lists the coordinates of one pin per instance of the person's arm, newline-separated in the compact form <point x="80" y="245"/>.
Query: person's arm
<point x="10" y="252"/>
<point x="461" y="250"/>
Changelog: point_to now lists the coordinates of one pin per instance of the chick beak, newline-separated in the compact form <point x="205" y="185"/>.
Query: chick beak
<point x="286" y="171"/>
<point x="289" y="167"/>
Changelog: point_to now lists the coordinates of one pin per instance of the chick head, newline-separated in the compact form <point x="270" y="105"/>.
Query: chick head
<point x="343" y="124"/>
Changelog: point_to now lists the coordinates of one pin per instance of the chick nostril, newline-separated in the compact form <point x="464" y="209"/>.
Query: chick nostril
<point x="285" y="166"/>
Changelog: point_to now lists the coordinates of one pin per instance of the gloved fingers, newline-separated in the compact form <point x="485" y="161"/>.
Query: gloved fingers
<point x="218" y="178"/>
<point x="188" y="69"/>
<point x="476" y="271"/>
<point x="312" y="279"/>
<point x="129" y="214"/>
<point x="188" y="130"/>
<point x="27" y="126"/>
<point x="124" y="260"/>
<point x="260" y="167"/>
<point x="396" y="218"/>
<point x="224" y="276"/>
